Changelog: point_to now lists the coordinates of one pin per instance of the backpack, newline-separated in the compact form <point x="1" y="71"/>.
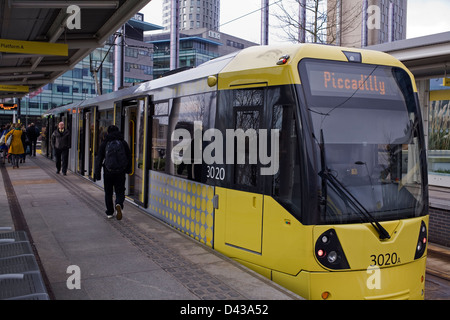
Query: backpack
<point x="115" y="157"/>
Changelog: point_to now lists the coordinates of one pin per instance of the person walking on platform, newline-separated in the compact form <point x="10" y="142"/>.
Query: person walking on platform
<point x="61" y="145"/>
<point x="114" y="156"/>
<point x="16" y="148"/>
<point x="3" y="147"/>
<point x="33" y="134"/>
<point x="25" y="143"/>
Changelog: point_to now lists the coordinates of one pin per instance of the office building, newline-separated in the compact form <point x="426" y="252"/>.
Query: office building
<point x="194" y="14"/>
<point x="196" y="47"/>
<point x="360" y="23"/>
<point x="138" y="55"/>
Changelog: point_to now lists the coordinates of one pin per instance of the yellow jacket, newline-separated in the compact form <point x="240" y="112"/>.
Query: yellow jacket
<point x="16" y="146"/>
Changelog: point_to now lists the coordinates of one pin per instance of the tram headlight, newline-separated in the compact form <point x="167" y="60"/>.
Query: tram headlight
<point x="422" y="241"/>
<point x="329" y="251"/>
<point x="332" y="257"/>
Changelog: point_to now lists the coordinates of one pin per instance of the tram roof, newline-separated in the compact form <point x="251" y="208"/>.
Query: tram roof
<point x="210" y="68"/>
<point x="259" y="64"/>
<point x="242" y="67"/>
<point x="427" y="56"/>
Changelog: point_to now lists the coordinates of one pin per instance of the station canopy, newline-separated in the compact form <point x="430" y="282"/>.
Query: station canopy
<point x="41" y="40"/>
<point x="427" y="57"/>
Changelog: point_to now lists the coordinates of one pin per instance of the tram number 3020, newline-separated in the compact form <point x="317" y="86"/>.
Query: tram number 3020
<point x="387" y="259"/>
<point x="216" y="173"/>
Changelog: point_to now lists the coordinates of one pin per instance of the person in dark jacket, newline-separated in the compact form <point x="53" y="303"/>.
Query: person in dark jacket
<point x="61" y="144"/>
<point x="113" y="181"/>
<point x="33" y="134"/>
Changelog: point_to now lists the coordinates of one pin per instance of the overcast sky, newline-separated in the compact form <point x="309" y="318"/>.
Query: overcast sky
<point x="424" y="18"/>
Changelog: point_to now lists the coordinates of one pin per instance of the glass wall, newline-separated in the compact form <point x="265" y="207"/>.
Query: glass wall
<point x="439" y="130"/>
<point x="439" y="134"/>
<point x="74" y="85"/>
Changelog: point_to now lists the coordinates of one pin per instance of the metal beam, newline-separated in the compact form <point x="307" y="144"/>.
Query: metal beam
<point x="47" y="68"/>
<point x="29" y="82"/>
<point x="24" y="4"/>
<point x="421" y="52"/>
<point x="21" y="76"/>
<point x="174" y="34"/>
<point x="264" y="22"/>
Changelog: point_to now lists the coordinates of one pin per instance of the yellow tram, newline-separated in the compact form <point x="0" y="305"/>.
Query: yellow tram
<point x="305" y="163"/>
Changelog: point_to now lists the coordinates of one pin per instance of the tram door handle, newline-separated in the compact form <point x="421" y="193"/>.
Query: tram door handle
<point x="215" y="201"/>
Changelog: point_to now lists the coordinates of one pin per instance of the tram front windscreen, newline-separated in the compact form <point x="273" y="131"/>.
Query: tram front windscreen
<point x="367" y="130"/>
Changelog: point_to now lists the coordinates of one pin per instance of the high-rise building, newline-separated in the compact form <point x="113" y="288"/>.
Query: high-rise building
<point x="194" y="14"/>
<point x="360" y="23"/>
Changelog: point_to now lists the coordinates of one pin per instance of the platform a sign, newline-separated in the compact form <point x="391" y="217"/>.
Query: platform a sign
<point x="14" y="88"/>
<point x="34" y="47"/>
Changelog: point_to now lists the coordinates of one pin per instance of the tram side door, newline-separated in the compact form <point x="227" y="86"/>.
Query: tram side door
<point x="51" y="128"/>
<point x="136" y="134"/>
<point x="90" y="116"/>
<point x="130" y="138"/>
<point x="240" y="207"/>
<point x="81" y="143"/>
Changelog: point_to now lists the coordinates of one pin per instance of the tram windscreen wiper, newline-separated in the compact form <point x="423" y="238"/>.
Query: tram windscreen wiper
<point x="327" y="177"/>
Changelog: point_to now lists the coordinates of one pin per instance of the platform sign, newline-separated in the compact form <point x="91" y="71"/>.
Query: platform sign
<point x="34" y="47"/>
<point x="14" y="88"/>
<point x="446" y="82"/>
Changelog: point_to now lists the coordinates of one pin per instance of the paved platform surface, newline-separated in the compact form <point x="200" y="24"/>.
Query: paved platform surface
<point x="137" y="258"/>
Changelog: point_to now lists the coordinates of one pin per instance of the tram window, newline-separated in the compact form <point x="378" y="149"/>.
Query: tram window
<point x="287" y="182"/>
<point x="190" y="115"/>
<point x="247" y="117"/>
<point x="248" y="98"/>
<point x="247" y="174"/>
<point x="106" y="118"/>
<point x="161" y="109"/>
<point x="160" y="129"/>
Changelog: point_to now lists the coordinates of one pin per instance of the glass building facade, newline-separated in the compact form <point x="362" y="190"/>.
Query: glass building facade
<point x="193" y="52"/>
<point x="80" y="83"/>
<point x="439" y="131"/>
<point x="75" y="85"/>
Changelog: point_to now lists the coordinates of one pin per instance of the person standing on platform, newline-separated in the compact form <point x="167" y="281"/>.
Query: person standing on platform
<point x="61" y="144"/>
<point x="3" y="147"/>
<point x="114" y="156"/>
<point x="16" y="148"/>
<point x="25" y="143"/>
<point x="33" y="134"/>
